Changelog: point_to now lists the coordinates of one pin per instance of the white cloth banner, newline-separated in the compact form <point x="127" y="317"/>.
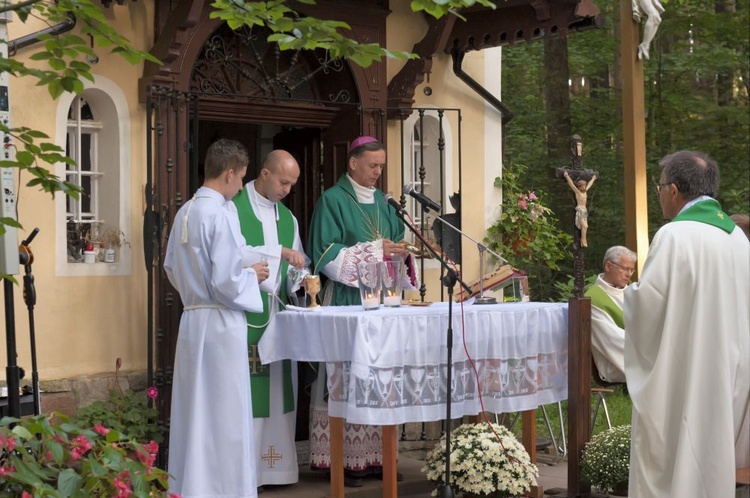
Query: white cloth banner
<point x="389" y="366"/>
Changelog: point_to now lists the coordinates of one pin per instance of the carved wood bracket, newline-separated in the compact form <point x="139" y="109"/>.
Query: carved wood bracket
<point x="512" y="21"/>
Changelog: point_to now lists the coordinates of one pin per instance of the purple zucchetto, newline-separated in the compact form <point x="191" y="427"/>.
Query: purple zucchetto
<point x="361" y="141"/>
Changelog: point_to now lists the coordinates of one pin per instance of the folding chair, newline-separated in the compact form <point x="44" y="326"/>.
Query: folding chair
<point x="604" y="387"/>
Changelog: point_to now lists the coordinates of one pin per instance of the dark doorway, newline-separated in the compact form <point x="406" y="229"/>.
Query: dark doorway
<point x="305" y="145"/>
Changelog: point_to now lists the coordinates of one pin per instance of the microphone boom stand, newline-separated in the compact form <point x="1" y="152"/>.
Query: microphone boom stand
<point x="449" y="281"/>
<point x="482" y="299"/>
<point x="29" y="297"/>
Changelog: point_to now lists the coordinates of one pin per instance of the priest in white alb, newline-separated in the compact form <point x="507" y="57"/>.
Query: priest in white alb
<point x="687" y="345"/>
<point x="211" y="433"/>
<point x="273" y="233"/>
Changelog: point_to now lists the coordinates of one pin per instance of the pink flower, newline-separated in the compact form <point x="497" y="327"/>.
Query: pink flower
<point x="4" y="471"/>
<point x="83" y="442"/>
<point x="101" y="430"/>
<point x="147" y="459"/>
<point x="152" y="392"/>
<point x="532" y="196"/>
<point x="123" y="490"/>
<point x="522" y="204"/>
<point x="10" y="443"/>
<point x="80" y="446"/>
<point x="25" y="494"/>
<point x="174" y="495"/>
<point x="76" y="453"/>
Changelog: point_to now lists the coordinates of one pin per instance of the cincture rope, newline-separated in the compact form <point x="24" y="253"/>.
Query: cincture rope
<point x="270" y="298"/>
<point x="204" y="306"/>
<point x="184" y="237"/>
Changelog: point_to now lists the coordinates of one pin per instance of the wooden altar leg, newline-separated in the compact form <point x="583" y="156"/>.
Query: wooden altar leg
<point x="528" y="435"/>
<point x="337" y="457"/>
<point x="579" y="390"/>
<point x="390" y="481"/>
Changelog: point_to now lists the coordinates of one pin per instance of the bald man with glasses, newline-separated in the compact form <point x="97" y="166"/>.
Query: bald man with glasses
<point x="607" y="325"/>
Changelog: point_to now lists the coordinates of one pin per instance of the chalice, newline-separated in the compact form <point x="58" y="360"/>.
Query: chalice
<point x="311" y="283"/>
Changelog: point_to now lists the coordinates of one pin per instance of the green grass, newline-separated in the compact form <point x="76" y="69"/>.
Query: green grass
<point x="618" y="405"/>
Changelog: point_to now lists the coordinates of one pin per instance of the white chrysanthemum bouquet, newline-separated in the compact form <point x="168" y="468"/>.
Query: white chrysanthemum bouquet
<point x="606" y="459"/>
<point x="486" y="460"/>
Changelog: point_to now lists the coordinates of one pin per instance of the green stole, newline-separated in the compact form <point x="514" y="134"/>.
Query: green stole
<point x="709" y="212"/>
<point x="601" y="300"/>
<point x="260" y="375"/>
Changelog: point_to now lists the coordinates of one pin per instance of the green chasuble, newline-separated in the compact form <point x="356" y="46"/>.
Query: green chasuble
<point x="709" y="212"/>
<point x="260" y="375"/>
<point x="601" y="300"/>
<point x="339" y="221"/>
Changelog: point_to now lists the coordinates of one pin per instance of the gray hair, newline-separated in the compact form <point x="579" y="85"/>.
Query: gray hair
<point x="694" y="173"/>
<point x="616" y="252"/>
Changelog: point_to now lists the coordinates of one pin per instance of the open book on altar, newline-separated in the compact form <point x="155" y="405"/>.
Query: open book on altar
<point x="499" y="278"/>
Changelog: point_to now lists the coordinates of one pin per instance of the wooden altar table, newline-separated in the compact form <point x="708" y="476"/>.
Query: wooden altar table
<point x="389" y="366"/>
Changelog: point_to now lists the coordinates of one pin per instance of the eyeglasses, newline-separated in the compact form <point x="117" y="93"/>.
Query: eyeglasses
<point x="627" y="269"/>
<point x="660" y="186"/>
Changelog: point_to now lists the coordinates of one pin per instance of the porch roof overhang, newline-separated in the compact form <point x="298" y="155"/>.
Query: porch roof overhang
<point x="512" y="21"/>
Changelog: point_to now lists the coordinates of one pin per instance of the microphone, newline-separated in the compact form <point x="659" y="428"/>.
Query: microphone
<point x="425" y="201"/>
<point x="394" y="203"/>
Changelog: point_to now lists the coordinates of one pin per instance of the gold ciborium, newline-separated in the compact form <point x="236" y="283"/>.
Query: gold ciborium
<point x="311" y="283"/>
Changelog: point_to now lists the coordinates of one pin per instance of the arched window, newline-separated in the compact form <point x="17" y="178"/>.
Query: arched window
<point x="93" y="230"/>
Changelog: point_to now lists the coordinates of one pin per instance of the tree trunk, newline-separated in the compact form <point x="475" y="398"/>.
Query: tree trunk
<point x="558" y="123"/>
<point x="725" y="79"/>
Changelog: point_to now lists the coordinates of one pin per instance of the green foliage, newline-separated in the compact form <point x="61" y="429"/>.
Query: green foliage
<point x="46" y="458"/>
<point x="606" y="459"/>
<point x="526" y="234"/>
<point x="61" y="64"/>
<point x="439" y="8"/>
<point x="564" y="288"/>
<point x="696" y="97"/>
<point x="127" y="412"/>
<point x="293" y="32"/>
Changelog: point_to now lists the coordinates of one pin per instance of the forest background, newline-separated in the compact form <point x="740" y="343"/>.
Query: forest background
<point x="696" y="98"/>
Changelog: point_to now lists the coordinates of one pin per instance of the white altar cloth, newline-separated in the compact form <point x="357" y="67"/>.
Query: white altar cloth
<point x="389" y="366"/>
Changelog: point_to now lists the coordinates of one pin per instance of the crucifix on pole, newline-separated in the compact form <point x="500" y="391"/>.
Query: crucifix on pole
<point x="580" y="181"/>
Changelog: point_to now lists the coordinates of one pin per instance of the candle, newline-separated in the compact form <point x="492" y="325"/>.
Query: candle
<point x="392" y="301"/>
<point x="371" y="303"/>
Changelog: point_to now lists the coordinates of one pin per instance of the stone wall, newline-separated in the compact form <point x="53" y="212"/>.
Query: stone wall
<point x="67" y="395"/>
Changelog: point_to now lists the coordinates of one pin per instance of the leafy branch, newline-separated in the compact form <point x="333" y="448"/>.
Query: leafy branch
<point x="294" y="32"/>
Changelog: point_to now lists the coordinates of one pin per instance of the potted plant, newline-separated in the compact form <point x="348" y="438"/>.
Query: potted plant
<point x="486" y="460"/>
<point x="606" y="460"/>
<point x="48" y="456"/>
<point x="527" y="233"/>
<point x="112" y="239"/>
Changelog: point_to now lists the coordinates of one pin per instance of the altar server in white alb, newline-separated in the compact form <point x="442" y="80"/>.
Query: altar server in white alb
<point x="211" y="433"/>
<point x="687" y="345"/>
<point x="607" y="332"/>
<point x="273" y="232"/>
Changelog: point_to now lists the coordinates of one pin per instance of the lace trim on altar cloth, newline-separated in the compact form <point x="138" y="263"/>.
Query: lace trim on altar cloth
<point x="362" y="443"/>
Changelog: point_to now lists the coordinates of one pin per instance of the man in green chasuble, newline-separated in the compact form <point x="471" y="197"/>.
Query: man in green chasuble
<point x="272" y="231"/>
<point x="352" y="223"/>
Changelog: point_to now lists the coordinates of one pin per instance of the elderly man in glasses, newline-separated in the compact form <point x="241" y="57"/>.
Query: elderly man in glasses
<point x="607" y="328"/>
